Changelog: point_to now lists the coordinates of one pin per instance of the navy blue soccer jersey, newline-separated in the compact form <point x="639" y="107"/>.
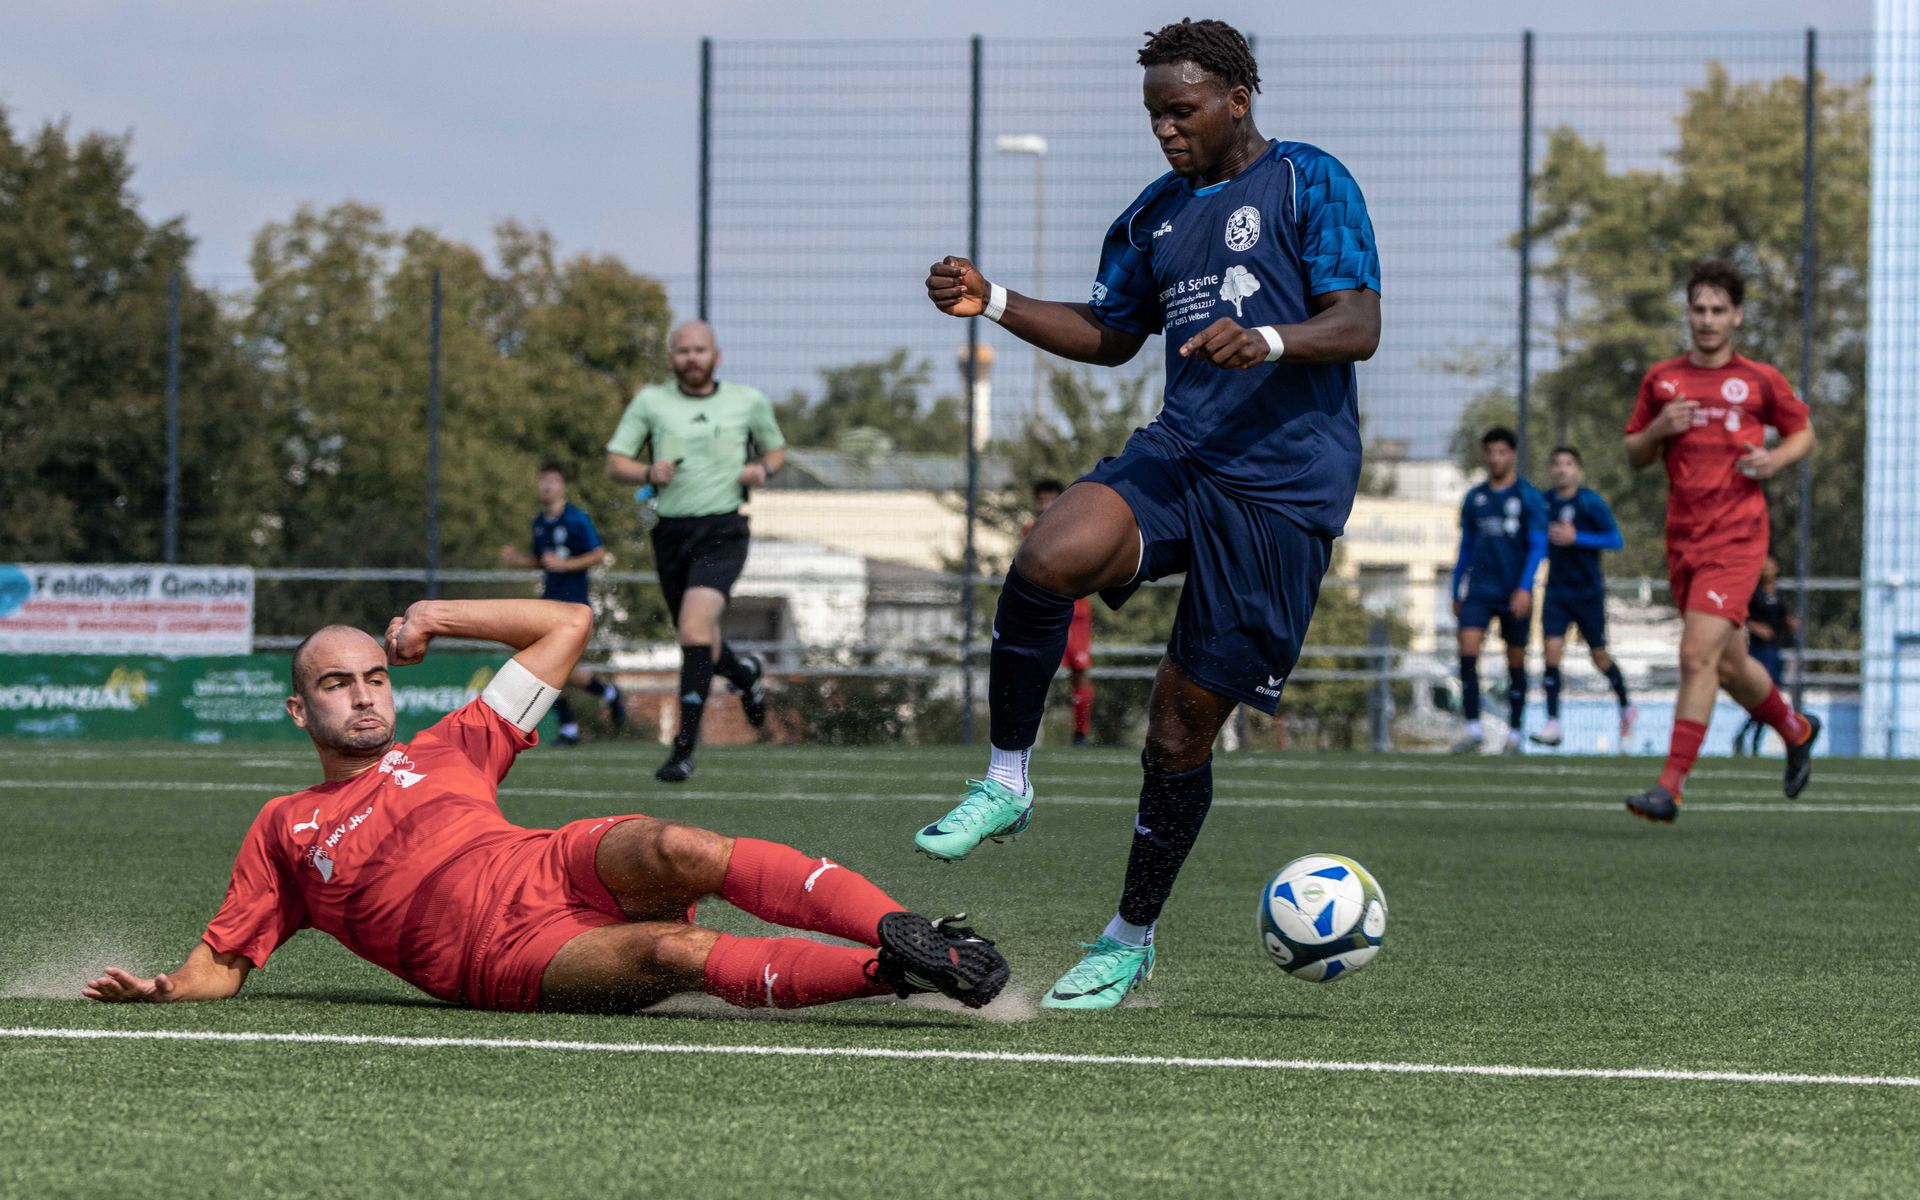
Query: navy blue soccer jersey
<point x="1258" y="248"/>
<point x="1503" y="537"/>
<point x="1575" y="570"/>
<point x="566" y="535"/>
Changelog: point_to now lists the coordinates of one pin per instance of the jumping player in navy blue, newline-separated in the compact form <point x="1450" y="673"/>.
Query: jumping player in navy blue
<point x="566" y="546"/>
<point x="1503" y="537"/>
<point x="1580" y="526"/>
<point x="1256" y="259"/>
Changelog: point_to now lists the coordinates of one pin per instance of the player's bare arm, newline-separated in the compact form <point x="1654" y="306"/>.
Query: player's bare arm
<point x="206" y="975"/>
<point x="549" y="634"/>
<point x="1674" y="419"/>
<point x="1070" y="331"/>
<point x="1759" y="462"/>
<point x="622" y="469"/>
<point x="1346" y="329"/>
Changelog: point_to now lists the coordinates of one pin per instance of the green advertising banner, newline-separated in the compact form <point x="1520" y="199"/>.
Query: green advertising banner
<point x="206" y="700"/>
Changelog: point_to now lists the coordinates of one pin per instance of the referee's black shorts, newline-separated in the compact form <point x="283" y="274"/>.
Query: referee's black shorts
<point x="691" y="552"/>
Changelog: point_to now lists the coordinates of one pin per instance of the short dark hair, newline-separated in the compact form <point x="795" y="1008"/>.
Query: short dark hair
<point x="1718" y="272"/>
<point x="1047" y="485"/>
<point x="554" y="465"/>
<point x="298" y="670"/>
<point x="1214" y="46"/>
<point x="1500" y="433"/>
<point x="1570" y="452"/>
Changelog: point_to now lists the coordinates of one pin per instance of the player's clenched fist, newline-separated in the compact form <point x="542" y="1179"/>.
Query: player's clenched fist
<point x="1676" y="418"/>
<point x="956" y="287"/>
<point x="1226" y="344"/>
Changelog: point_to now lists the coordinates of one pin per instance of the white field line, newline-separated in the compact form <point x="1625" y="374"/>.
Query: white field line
<point x="988" y="1056"/>
<point x="1840" y="803"/>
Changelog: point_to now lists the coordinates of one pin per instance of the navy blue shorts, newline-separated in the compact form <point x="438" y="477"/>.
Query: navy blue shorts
<point x="1477" y="612"/>
<point x="1767" y="654"/>
<point x="1588" y="613"/>
<point x="1253" y="574"/>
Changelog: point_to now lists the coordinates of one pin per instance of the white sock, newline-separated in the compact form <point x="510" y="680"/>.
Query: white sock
<point x="1008" y="768"/>
<point x="1127" y="933"/>
<point x="570" y="730"/>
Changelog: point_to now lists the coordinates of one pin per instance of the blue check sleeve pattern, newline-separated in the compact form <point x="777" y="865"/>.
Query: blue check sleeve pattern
<point x="1125" y="296"/>
<point x="1336" y="234"/>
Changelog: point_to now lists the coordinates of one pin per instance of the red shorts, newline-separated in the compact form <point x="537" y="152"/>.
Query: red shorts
<point x="1717" y="579"/>
<point x="550" y="894"/>
<point x="1079" y="655"/>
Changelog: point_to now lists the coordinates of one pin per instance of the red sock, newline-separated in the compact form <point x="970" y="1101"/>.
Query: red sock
<point x="1775" y="713"/>
<point x="1684" y="748"/>
<point x="1083" y="709"/>
<point x="788" y="972"/>
<point x="779" y="884"/>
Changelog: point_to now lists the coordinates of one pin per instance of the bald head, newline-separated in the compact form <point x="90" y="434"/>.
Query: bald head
<point x="693" y="356"/>
<point x="332" y="646"/>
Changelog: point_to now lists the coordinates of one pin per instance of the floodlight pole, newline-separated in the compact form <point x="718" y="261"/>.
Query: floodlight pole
<point x="173" y="418"/>
<point x="1526" y="243"/>
<point x="433" y="444"/>
<point x="1803" y="549"/>
<point x="972" y="559"/>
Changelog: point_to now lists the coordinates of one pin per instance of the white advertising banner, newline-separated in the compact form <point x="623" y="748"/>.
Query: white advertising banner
<point x="66" y="608"/>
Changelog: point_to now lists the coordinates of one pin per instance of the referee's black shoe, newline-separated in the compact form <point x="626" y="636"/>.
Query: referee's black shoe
<point x="1800" y="759"/>
<point x="677" y="769"/>
<point x="753" y="697"/>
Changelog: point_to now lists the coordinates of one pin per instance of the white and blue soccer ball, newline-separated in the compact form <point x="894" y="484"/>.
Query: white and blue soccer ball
<point x="1322" y="917"/>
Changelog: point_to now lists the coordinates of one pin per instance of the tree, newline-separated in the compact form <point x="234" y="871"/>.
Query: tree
<point x="83" y="347"/>
<point x="882" y="395"/>
<point x="1620" y="246"/>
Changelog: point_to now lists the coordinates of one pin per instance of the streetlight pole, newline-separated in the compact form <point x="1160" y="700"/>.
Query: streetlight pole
<point x="1035" y="145"/>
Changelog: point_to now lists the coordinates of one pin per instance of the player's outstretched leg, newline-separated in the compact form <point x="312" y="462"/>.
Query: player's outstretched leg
<point x="1175" y="795"/>
<point x="1749" y="683"/>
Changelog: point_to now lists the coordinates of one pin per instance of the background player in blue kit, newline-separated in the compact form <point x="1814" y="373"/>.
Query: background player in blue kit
<point x="1257" y="260"/>
<point x="1503" y="537"/>
<point x="566" y="546"/>
<point x="1580" y="526"/>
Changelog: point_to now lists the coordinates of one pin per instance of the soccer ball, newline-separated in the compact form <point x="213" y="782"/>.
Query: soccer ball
<point x="1321" y="917"/>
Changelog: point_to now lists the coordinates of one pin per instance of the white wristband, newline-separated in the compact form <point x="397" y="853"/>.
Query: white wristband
<point x="519" y="696"/>
<point x="996" y="303"/>
<point x="1275" y="347"/>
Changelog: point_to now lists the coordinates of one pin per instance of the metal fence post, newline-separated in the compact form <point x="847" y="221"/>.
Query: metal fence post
<point x="973" y="375"/>
<point x="173" y="418"/>
<point x="1382" y="700"/>
<point x="706" y="169"/>
<point x="1526" y="241"/>
<point x="433" y="444"/>
<point x="1803" y="551"/>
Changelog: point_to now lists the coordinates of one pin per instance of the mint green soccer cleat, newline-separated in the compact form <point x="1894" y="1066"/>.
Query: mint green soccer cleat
<point x="991" y="812"/>
<point x="1104" y="977"/>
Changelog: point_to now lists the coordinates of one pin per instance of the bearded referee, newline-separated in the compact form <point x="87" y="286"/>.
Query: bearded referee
<point x="1256" y="259"/>
<point x="710" y="442"/>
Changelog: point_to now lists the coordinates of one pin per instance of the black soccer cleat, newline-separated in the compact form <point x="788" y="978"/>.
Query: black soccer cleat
<point x="1655" y="804"/>
<point x="1800" y="759"/>
<point x="918" y="955"/>
<point x="753" y="697"/>
<point x="616" y="707"/>
<point x="677" y="769"/>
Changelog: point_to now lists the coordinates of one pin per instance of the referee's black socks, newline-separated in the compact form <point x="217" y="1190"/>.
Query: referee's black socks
<point x="696" y="680"/>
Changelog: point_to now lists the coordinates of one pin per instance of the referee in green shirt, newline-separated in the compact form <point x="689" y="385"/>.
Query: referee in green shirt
<point x="711" y="441"/>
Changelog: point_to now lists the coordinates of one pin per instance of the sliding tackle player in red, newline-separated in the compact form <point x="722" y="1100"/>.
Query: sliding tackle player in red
<point x="404" y="856"/>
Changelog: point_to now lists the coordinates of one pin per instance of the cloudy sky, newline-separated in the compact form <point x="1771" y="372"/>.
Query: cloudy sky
<point x="579" y="115"/>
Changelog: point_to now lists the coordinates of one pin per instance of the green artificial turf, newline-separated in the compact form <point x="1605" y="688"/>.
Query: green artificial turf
<point x="1532" y="923"/>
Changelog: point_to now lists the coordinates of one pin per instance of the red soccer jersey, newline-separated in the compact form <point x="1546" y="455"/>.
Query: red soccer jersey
<point x="1709" y="502"/>
<point x="392" y="862"/>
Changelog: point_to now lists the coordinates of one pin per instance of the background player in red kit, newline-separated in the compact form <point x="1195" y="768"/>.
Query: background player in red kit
<point x="404" y="856"/>
<point x="1078" y="660"/>
<point x="1706" y="412"/>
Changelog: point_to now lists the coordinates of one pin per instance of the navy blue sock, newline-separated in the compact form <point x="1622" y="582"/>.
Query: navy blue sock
<point x="1172" y="808"/>
<point x="1550" y="684"/>
<point x="1516" y="695"/>
<point x="1618" y="682"/>
<point x="1029" y="636"/>
<point x="1470" y="686"/>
